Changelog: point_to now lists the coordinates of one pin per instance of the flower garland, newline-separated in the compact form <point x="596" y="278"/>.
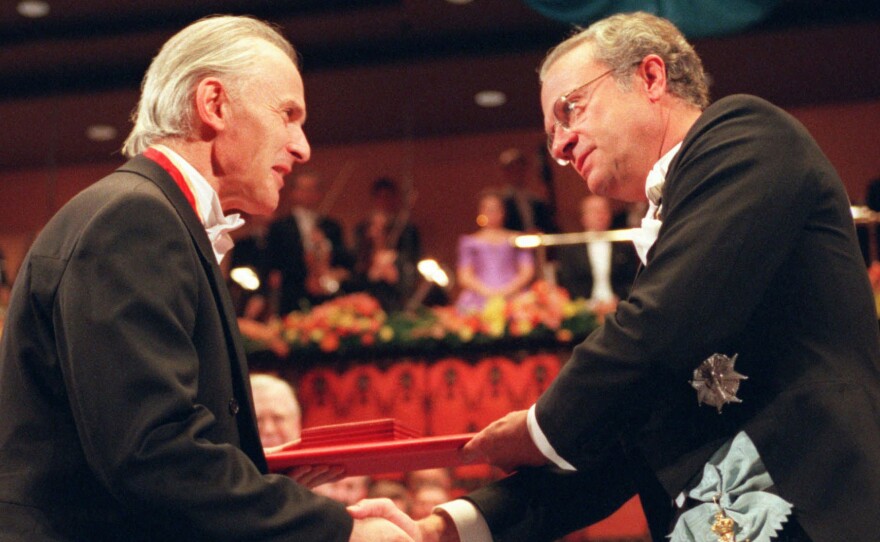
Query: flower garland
<point x="356" y="322"/>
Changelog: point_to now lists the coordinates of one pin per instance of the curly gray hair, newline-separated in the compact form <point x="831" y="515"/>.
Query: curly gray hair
<point x="623" y="40"/>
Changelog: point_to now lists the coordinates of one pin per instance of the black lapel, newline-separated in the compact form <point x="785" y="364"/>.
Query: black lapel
<point x="154" y="172"/>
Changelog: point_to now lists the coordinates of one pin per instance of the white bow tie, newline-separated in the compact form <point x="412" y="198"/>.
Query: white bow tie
<point x="644" y="237"/>
<point x="654" y="186"/>
<point x="219" y="236"/>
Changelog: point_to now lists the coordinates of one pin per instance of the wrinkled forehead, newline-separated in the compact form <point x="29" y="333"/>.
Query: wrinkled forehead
<point x="272" y="400"/>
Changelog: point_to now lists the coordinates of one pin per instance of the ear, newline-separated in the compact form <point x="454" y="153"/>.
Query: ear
<point x="212" y="102"/>
<point x="652" y="72"/>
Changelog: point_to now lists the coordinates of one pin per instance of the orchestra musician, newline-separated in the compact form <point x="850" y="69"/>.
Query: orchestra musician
<point x="387" y="247"/>
<point x="305" y="247"/>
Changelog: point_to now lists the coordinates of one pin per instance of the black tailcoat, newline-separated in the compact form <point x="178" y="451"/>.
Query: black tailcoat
<point x="125" y="403"/>
<point x="757" y="256"/>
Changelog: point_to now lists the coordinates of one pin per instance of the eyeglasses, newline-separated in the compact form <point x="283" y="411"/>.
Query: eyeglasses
<point x="564" y="112"/>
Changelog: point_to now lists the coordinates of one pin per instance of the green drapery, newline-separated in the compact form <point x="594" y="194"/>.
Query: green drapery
<point x="695" y="18"/>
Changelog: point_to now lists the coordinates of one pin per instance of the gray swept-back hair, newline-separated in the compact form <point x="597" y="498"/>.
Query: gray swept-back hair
<point x="623" y="40"/>
<point x="219" y="46"/>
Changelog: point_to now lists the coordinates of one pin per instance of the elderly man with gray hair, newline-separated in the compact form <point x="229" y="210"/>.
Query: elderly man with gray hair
<point x="123" y="381"/>
<point x="279" y="416"/>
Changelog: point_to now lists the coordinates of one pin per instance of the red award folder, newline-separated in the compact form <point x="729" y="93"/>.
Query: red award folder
<point x="372" y="447"/>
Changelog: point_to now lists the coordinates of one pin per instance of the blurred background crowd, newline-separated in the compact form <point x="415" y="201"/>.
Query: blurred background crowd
<point x="303" y="256"/>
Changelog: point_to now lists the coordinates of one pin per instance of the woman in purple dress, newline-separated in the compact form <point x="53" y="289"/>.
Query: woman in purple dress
<point x="488" y="264"/>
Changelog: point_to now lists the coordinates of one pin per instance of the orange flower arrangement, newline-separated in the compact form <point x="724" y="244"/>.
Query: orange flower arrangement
<point x="541" y="305"/>
<point x="355" y="318"/>
<point x="357" y="322"/>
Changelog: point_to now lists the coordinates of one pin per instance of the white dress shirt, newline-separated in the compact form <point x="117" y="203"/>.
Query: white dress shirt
<point x="645" y="237"/>
<point x="217" y="224"/>
<point x="599" y="255"/>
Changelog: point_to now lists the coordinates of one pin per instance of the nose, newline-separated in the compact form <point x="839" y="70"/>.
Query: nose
<point x="269" y="431"/>
<point x="298" y="144"/>
<point x="561" y="145"/>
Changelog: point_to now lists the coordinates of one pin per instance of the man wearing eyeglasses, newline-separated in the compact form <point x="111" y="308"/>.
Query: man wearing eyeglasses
<point x="736" y="389"/>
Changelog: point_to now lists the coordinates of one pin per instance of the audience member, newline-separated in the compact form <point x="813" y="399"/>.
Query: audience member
<point x="488" y="264"/>
<point x="524" y="210"/>
<point x="277" y="409"/>
<point x="307" y="249"/>
<point x="259" y="321"/>
<point x="601" y="272"/>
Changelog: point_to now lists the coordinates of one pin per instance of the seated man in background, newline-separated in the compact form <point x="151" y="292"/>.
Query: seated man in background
<point x="279" y="417"/>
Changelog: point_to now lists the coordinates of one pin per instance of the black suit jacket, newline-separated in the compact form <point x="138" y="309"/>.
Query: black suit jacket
<point x="576" y="274"/>
<point x="757" y="256"/>
<point x="125" y="403"/>
<point x="286" y="253"/>
<point x="393" y="297"/>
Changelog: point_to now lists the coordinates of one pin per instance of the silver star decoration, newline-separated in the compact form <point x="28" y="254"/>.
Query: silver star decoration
<point x="717" y="382"/>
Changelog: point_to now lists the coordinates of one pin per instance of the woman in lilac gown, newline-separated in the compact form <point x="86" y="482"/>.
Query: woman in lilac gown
<point x="488" y="264"/>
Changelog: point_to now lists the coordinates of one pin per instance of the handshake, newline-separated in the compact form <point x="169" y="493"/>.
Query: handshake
<point x="505" y="443"/>
<point x="379" y="520"/>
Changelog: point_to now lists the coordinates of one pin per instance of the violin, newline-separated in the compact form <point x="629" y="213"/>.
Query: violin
<point x="322" y="278"/>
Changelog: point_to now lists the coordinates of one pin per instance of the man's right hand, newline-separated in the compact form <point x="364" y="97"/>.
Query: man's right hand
<point x="438" y="527"/>
<point x="379" y="520"/>
<point x="378" y="530"/>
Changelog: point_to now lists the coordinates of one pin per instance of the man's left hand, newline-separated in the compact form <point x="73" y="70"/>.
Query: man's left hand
<point x="310" y="476"/>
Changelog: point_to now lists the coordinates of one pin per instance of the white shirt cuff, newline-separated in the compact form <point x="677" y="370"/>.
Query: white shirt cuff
<point x="543" y="444"/>
<point x="471" y="525"/>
